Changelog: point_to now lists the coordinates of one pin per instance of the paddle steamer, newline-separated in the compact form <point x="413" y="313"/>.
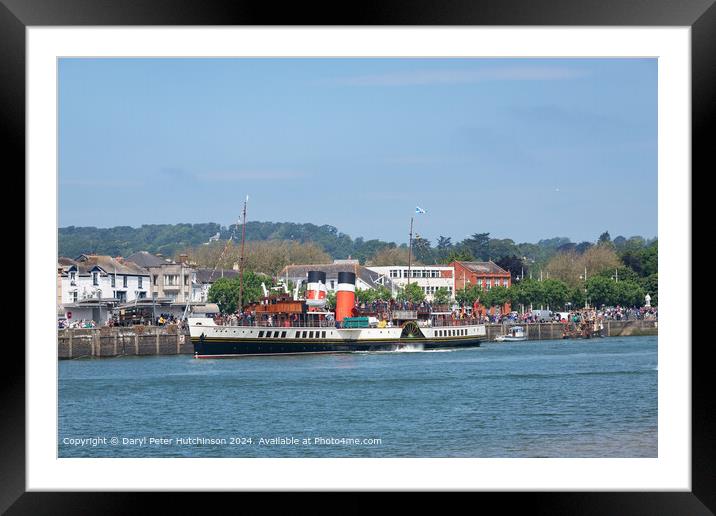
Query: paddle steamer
<point x="283" y="325"/>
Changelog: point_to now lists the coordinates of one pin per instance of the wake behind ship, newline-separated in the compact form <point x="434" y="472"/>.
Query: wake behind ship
<point x="285" y="325"/>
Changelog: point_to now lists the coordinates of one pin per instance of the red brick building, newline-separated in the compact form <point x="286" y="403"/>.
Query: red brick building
<point x="483" y="274"/>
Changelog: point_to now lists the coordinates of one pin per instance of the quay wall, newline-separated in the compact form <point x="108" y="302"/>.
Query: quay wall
<point x="549" y="331"/>
<point x="114" y="342"/>
<point x="170" y="340"/>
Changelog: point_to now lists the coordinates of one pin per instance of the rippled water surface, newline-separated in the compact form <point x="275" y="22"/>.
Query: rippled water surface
<point x="566" y="398"/>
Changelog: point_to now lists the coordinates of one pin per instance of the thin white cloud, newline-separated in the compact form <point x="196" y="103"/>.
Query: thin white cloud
<point x="460" y="76"/>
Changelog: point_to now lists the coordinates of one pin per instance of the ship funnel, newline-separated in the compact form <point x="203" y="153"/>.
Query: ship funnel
<point x="316" y="289"/>
<point x="345" y="295"/>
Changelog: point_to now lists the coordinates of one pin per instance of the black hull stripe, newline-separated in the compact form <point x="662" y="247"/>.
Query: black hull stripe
<point x="229" y="348"/>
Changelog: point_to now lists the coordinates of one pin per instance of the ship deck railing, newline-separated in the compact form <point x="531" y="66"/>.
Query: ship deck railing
<point x="313" y="323"/>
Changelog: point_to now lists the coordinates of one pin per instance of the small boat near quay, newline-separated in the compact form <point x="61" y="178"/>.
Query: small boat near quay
<point x="514" y="333"/>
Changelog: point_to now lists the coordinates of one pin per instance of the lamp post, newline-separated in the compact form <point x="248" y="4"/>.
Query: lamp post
<point x="586" y="305"/>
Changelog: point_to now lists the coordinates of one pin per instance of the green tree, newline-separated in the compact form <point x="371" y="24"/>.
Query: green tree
<point x="628" y="293"/>
<point x="497" y="296"/>
<point x="601" y="291"/>
<point x="365" y="295"/>
<point x="459" y="254"/>
<point x="225" y="291"/>
<point x="513" y="265"/>
<point x="422" y="252"/>
<point x="444" y="242"/>
<point x="576" y="296"/>
<point x="468" y="295"/>
<point x="650" y="259"/>
<point x="650" y="285"/>
<point x="556" y="293"/>
<point x="441" y="296"/>
<point x="604" y="238"/>
<point x="331" y="300"/>
<point x="478" y="245"/>
<point x="412" y="293"/>
<point x="530" y="292"/>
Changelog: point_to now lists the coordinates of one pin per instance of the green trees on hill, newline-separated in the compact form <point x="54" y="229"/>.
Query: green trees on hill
<point x="272" y="245"/>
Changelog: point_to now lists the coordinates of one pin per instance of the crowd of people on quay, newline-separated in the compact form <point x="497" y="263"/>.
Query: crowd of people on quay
<point x="114" y="321"/>
<point x="80" y="323"/>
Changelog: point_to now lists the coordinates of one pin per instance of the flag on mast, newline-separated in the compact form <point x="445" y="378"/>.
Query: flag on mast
<point x="418" y="210"/>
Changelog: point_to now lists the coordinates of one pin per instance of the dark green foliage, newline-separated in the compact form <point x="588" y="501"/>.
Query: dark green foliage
<point x="166" y="239"/>
<point x="225" y="291"/>
<point x="513" y="265"/>
<point x="412" y="292"/>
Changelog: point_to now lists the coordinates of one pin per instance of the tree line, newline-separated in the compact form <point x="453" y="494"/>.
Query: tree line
<point x="610" y="273"/>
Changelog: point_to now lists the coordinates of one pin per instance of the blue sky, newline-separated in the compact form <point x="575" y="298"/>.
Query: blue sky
<point x="520" y="148"/>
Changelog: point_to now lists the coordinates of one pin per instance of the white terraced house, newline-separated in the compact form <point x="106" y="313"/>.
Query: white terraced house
<point x="96" y="277"/>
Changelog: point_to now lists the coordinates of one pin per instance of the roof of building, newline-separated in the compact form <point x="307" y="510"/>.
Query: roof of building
<point x="86" y="262"/>
<point x="211" y="275"/>
<point x="332" y="269"/>
<point x="145" y="259"/>
<point x="484" y="267"/>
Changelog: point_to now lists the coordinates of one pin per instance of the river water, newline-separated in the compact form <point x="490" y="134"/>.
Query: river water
<point x="561" y="398"/>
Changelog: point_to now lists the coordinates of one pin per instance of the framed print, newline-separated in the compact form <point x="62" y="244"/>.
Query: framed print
<point x="339" y="160"/>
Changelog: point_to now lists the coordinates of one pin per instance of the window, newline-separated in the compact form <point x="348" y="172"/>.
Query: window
<point x="261" y="334"/>
<point x="186" y="279"/>
<point x="505" y="282"/>
<point x="142" y="295"/>
<point x="323" y="334"/>
<point x="74" y="296"/>
<point x="171" y="280"/>
<point x="303" y="334"/>
<point x="310" y="334"/>
<point x="95" y="278"/>
<point x="113" y="277"/>
<point x="283" y="334"/>
<point x="154" y="280"/>
<point x="124" y="281"/>
<point x="139" y="282"/>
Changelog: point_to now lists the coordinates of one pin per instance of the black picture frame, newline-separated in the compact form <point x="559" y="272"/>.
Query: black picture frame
<point x="699" y="15"/>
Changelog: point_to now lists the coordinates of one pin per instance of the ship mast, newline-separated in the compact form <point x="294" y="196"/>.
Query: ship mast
<point x="241" y="258"/>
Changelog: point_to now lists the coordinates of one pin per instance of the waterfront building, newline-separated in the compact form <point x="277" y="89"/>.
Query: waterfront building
<point x="169" y="280"/>
<point x="483" y="274"/>
<point x="365" y="277"/>
<point x="90" y="285"/>
<point x="428" y="277"/>
<point x="101" y="277"/>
